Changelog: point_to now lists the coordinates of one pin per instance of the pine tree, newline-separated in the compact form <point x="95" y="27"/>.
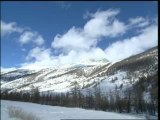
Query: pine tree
<point x="35" y="95"/>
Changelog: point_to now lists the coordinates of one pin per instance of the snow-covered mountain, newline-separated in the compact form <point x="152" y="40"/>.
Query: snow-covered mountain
<point x="87" y="74"/>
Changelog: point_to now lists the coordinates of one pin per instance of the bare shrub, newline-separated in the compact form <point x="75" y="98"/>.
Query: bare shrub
<point x="15" y="112"/>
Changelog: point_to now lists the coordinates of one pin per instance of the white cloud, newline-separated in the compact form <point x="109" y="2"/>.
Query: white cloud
<point x="26" y="35"/>
<point x="138" y="22"/>
<point x="104" y="24"/>
<point x="29" y="36"/>
<point x="73" y="39"/>
<point x="41" y="58"/>
<point x="34" y="59"/>
<point x="39" y="53"/>
<point x="48" y="60"/>
<point x="81" y="56"/>
<point x="39" y="40"/>
<point x="8" y="28"/>
<point x="143" y="24"/>
<point x="101" y="24"/>
<point x="134" y="45"/>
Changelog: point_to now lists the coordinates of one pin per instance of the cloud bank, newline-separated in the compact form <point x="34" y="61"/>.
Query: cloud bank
<point x="29" y="36"/>
<point x="80" y="44"/>
<point x="134" y="45"/>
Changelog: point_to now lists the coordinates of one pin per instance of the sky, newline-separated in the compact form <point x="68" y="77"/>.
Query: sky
<point x="55" y="33"/>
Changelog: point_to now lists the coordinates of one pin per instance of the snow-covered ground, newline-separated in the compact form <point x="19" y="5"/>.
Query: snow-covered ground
<point x="45" y="112"/>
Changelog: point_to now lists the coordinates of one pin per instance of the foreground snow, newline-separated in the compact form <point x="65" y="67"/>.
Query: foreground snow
<point x="45" y="112"/>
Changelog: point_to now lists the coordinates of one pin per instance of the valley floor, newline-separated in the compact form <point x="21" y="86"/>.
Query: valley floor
<point x="46" y="112"/>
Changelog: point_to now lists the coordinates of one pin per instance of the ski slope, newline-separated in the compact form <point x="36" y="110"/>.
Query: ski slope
<point x="46" y="112"/>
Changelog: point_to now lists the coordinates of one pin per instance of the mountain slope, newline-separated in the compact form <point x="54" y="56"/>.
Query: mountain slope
<point x="103" y="73"/>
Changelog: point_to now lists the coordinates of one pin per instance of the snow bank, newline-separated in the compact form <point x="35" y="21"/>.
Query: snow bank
<point x="45" y="112"/>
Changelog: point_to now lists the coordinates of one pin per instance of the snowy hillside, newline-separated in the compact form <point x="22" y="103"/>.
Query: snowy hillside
<point x="87" y="74"/>
<point x="45" y="112"/>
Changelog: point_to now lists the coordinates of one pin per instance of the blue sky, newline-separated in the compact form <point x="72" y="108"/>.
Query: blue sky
<point x="42" y="34"/>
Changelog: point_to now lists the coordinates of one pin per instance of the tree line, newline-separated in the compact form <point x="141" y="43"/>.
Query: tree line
<point x="132" y="101"/>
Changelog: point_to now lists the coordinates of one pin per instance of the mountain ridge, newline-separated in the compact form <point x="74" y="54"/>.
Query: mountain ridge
<point x="107" y="75"/>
